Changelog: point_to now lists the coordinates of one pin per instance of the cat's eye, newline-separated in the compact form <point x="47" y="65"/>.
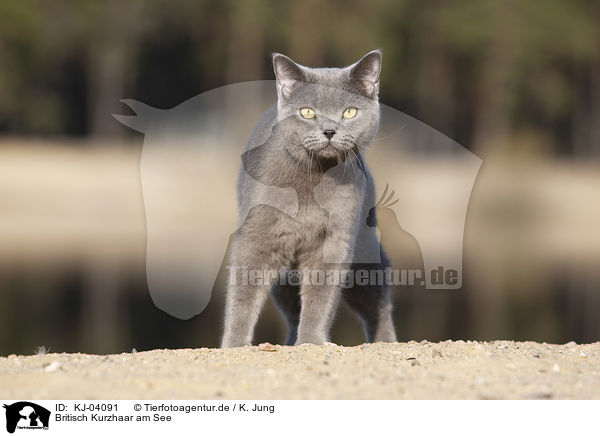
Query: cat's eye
<point x="350" y="113"/>
<point x="307" y="113"/>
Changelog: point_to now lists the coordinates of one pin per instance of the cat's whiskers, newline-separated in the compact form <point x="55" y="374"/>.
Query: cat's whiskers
<point x="352" y="164"/>
<point x="298" y="161"/>
<point x="319" y="162"/>
<point x="358" y="161"/>
<point x="310" y="167"/>
<point x="345" y="161"/>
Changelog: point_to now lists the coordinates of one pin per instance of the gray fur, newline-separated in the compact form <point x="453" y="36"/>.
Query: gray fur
<point x="332" y="194"/>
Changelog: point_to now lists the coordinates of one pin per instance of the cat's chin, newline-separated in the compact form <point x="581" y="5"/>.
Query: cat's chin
<point x="333" y="151"/>
<point x="329" y="153"/>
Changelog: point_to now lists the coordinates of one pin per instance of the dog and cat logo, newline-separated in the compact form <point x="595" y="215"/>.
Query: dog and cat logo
<point x="25" y="415"/>
<point x="190" y="163"/>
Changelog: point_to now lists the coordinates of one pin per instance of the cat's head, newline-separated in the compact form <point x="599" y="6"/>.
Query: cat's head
<point x="327" y="113"/>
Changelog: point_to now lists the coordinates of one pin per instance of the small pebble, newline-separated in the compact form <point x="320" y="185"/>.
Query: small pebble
<point x="266" y="346"/>
<point x="413" y="361"/>
<point x="51" y="367"/>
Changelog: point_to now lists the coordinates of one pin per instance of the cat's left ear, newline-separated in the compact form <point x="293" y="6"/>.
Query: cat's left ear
<point x="365" y="73"/>
<point x="288" y="74"/>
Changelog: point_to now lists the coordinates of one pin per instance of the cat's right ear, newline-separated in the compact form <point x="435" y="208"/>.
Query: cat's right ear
<point x="288" y="74"/>
<point x="365" y="73"/>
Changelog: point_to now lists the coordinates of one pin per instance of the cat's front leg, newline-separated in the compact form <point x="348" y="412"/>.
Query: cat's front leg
<point x="251" y="277"/>
<point x="242" y="308"/>
<point x="320" y="300"/>
<point x="320" y="293"/>
<point x="319" y="303"/>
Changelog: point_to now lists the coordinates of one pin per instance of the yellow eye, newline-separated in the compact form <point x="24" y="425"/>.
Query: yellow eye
<point x="350" y="113"/>
<point x="307" y="113"/>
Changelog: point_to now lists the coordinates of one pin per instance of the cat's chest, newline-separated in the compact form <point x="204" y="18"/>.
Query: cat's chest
<point x="319" y="214"/>
<point x="312" y="215"/>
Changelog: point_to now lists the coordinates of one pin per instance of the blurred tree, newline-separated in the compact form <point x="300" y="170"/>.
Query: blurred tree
<point x="112" y="30"/>
<point x="308" y="28"/>
<point x="501" y="76"/>
<point x="246" y="45"/>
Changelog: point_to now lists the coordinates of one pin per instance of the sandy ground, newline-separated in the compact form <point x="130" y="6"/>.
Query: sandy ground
<point x="447" y="370"/>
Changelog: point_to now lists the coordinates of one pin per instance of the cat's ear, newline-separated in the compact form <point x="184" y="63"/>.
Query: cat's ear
<point x="365" y="73"/>
<point x="287" y="73"/>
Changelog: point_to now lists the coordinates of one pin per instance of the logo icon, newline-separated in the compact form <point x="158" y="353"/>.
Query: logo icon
<point x="26" y="415"/>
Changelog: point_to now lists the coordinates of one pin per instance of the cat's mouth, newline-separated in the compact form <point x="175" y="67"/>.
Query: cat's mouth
<point x="331" y="151"/>
<point x="344" y="147"/>
<point x="335" y="149"/>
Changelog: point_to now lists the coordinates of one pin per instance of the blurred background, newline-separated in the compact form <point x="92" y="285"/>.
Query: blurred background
<point x="515" y="82"/>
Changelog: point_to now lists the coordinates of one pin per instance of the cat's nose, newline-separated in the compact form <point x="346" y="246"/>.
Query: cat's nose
<point x="329" y="133"/>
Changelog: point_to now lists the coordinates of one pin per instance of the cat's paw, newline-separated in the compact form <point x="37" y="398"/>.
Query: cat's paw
<point x="232" y="343"/>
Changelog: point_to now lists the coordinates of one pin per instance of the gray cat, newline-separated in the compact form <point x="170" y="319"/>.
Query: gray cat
<point x="310" y="145"/>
